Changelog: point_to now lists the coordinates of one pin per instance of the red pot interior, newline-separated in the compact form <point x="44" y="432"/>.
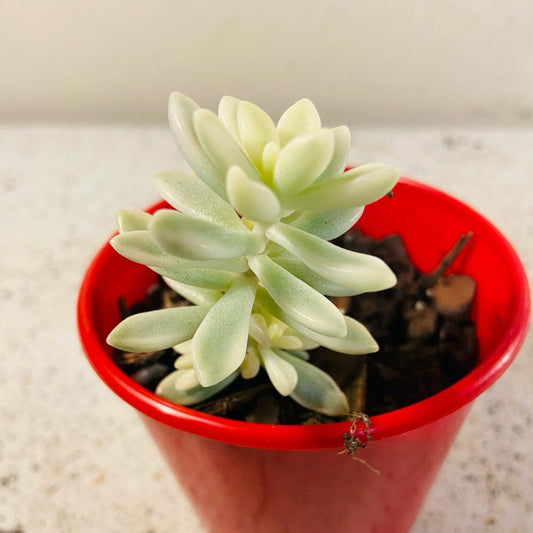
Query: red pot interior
<point x="430" y="222"/>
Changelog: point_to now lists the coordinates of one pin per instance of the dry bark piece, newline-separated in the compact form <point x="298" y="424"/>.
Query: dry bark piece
<point x="342" y="303"/>
<point x="453" y="295"/>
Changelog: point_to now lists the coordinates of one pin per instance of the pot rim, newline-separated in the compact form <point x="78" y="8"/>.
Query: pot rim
<point x="297" y="437"/>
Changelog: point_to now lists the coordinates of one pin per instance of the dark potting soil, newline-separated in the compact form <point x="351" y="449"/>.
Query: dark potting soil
<point x="427" y="342"/>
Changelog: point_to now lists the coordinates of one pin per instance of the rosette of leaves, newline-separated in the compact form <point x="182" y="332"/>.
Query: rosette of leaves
<point x="247" y="244"/>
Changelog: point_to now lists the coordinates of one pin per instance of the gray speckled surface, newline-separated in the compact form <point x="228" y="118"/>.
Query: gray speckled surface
<point x="74" y="458"/>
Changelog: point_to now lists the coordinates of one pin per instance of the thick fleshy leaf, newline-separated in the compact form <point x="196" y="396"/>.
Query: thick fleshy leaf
<point x="357" y="340"/>
<point x="132" y="220"/>
<point x="186" y="379"/>
<point x="302" y="117"/>
<point x="183" y="362"/>
<point x="356" y="187"/>
<point x="288" y="342"/>
<point x="300" y="353"/>
<point x="259" y="329"/>
<point x="301" y="161"/>
<point x="219" y="344"/>
<point x="298" y="299"/>
<point x="281" y="373"/>
<point x="180" y="116"/>
<point x="342" y="139"/>
<point x="315" y="389"/>
<point x="252" y="199"/>
<point x="139" y="247"/>
<point x="299" y="269"/>
<point x="220" y="146"/>
<point x="358" y="272"/>
<point x="157" y="330"/>
<point x="167" y="389"/>
<point x="191" y="196"/>
<point x="227" y="113"/>
<point x="197" y="239"/>
<point x="256" y="129"/>
<point x="327" y="225"/>
<point x="217" y="280"/>
<point x="195" y="295"/>
<point x="251" y="365"/>
<point x="268" y="160"/>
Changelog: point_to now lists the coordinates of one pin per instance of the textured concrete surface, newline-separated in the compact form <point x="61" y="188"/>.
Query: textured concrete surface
<point x="74" y="458"/>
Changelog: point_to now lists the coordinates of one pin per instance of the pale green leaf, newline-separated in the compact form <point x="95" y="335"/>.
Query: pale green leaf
<point x="219" y="344"/>
<point x="186" y="379"/>
<point x="356" y="187"/>
<point x="298" y="299"/>
<point x="281" y="373"/>
<point x="220" y="146"/>
<point x="256" y="129"/>
<point x="288" y="342"/>
<point x="252" y="199"/>
<point x="259" y="329"/>
<point x="358" y="272"/>
<point x="217" y="280"/>
<point x="167" y="389"/>
<point x="195" y="295"/>
<point x="157" y="330"/>
<point x="139" y="247"/>
<point x="268" y="161"/>
<point x="301" y="161"/>
<point x="132" y="220"/>
<point x="180" y="116"/>
<point x="251" y="365"/>
<point x="191" y="196"/>
<point x="357" y="340"/>
<point x="299" y="269"/>
<point x="342" y="140"/>
<point x="183" y="362"/>
<point x="227" y="113"/>
<point x="300" y="118"/>
<point x="315" y="389"/>
<point x="327" y="225"/>
<point x="196" y="239"/>
<point x="302" y="354"/>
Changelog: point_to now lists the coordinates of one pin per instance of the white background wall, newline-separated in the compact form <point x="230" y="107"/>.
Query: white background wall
<point x="361" y="61"/>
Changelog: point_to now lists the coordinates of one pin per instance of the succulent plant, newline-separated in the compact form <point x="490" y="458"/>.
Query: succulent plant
<point x="247" y="245"/>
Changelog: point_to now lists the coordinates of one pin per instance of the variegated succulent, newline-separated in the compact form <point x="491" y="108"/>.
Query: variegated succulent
<point x="247" y="245"/>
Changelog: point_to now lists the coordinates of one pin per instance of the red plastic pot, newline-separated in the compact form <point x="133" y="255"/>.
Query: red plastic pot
<point x="245" y="477"/>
